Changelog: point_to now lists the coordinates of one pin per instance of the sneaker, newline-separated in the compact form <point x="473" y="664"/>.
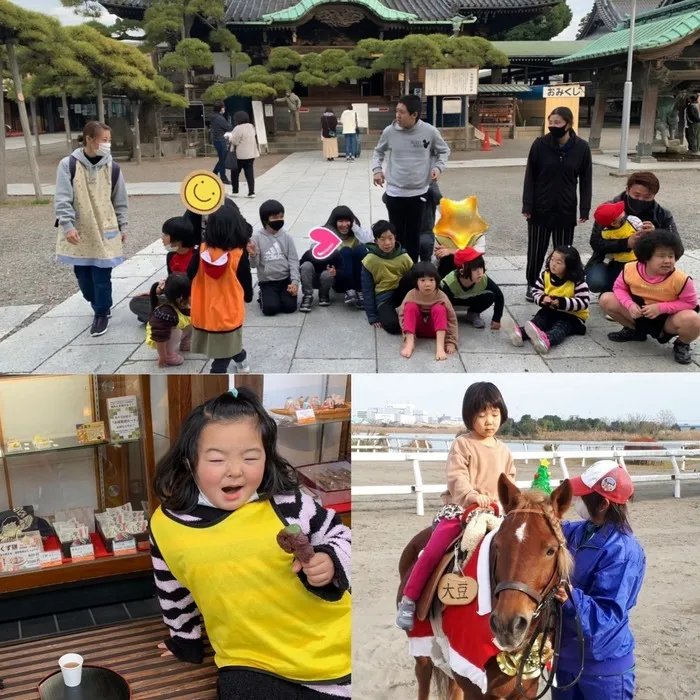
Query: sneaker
<point x="99" y="326"/>
<point x="528" y="294"/>
<point x="405" y="615"/>
<point x="109" y="314"/>
<point x="226" y="181"/>
<point x="681" y="353"/>
<point x="608" y="317"/>
<point x="306" y="302"/>
<point x="475" y="319"/>
<point x="514" y="332"/>
<point x="625" y="335"/>
<point x="324" y="300"/>
<point x="234" y="194"/>
<point x="251" y="195"/>
<point x="360" y="302"/>
<point x="242" y="367"/>
<point x="350" y="297"/>
<point x="539" y="338"/>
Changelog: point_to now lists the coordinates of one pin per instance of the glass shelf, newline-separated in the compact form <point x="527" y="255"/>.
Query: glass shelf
<point x="288" y="422"/>
<point x="59" y="445"/>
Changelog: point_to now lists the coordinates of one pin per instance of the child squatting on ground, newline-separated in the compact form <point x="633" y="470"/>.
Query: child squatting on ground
<point x="341" y="272"/>
<point x="476" y="460"/>
<point x="221" y="286"/>
<point x="470" y="288"/>
<point x="279" y="628"/>
<point x="180" y="239"/>
<point x="273" y="253"/>
<point x="562" y="294"/>
<point x="169" y="328"/>
<point x="426" y="312"/>
<point x="609" y="567"/>
<point x="385" y="281"/>
<point x="652" y="297"/>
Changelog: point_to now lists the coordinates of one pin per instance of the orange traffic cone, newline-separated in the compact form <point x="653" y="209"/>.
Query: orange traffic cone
<point x="486" y="143"/>
<point x="499" y="139"/>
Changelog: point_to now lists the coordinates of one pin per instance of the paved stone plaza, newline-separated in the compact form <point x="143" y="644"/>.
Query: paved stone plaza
<point x="333" y="339"/>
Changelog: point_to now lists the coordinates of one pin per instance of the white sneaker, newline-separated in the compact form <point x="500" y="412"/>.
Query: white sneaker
<point x="242" y="367"/>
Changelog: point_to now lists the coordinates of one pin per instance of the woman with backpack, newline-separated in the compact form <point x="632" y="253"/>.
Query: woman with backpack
<point x="91" y="208"/>
<point x="329" y="134"/>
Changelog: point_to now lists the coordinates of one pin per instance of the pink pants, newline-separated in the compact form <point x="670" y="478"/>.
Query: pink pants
<point x="413" y="320"/>
<point x="440" y="540"/>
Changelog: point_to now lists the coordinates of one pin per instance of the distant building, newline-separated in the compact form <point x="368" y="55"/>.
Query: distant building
<point x="685" y="427"/>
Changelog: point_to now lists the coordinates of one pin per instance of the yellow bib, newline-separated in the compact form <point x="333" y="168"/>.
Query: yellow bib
<point x="616" y="234"/>
<point x="567" y="291"/>
<point x="257" y="613"/>
<point x="182" y="323"/>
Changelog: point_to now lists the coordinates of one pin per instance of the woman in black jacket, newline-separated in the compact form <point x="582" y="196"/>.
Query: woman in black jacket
<point x="329" y="134"/>
<point x="557" y="163"/>
<point x="640" y="201"/>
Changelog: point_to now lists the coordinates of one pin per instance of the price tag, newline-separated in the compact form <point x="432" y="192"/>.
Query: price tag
<point x="82" y="552"/>
<point x="124" y="547"/>
<point x="52" y="557"/>
<point x="17" y="557"/>
<point x="306" y="415"/>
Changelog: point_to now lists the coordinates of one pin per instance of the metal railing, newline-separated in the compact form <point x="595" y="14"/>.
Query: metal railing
<point x="677" y="456"/>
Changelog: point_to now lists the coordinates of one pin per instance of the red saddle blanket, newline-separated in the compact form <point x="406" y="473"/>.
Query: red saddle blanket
<point x="468" y="633"/>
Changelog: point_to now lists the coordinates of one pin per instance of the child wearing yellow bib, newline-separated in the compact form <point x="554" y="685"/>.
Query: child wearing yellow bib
<point x="280" y="629"/>
<point x="169" y="329"/>
<point x="562" y="294"/>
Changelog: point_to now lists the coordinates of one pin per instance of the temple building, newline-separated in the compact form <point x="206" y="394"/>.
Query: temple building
<point x="263" y="24"/>
<point x="606" y="15"/>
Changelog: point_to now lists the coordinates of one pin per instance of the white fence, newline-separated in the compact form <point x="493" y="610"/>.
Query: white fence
<point x="677" y="457"/>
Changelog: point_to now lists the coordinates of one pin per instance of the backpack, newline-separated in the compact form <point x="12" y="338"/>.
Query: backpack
<point x="73" y="164"/>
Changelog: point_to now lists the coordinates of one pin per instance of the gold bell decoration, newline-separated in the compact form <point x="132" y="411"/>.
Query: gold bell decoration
<point x="460" y="224"/>
<point x="509" y="661"/>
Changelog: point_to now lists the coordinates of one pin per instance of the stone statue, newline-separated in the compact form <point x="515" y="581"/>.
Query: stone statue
<point x="666" y="122"/>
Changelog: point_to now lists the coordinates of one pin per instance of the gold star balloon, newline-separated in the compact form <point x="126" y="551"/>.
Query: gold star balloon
<point x="460" y="224"/>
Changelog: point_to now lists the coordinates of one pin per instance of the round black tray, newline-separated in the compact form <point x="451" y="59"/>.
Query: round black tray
<point x="97" y="684"/>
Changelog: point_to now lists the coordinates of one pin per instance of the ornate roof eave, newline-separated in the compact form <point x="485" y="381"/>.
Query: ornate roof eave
<point x="608" y="13"/>
<point x="304" y="7"/>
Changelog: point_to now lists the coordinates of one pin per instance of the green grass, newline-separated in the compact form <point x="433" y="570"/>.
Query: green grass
<point x="25" y="202"/>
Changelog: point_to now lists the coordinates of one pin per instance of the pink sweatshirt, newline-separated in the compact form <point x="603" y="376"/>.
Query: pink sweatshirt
<point x="688" y="299"/>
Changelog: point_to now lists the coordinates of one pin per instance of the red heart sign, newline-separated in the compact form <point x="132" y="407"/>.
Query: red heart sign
<point x="326" y="242"/>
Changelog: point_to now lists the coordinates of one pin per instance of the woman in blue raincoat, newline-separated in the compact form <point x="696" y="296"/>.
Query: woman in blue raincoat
<point x="609" y="566"/>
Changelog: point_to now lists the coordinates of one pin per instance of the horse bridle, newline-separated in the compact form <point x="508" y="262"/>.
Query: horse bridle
<point x="539" y="598"/>
<point x="544" y="601"/>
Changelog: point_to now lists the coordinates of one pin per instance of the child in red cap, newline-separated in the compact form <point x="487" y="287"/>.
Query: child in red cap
<point x="562" y="294"/>
<point x="609" y="567"/>
<point x="469" y="287"/>
<point x="625" y="230"/>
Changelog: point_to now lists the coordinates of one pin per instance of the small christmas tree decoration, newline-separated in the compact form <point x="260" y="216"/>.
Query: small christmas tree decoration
<point x="541" y="480"/>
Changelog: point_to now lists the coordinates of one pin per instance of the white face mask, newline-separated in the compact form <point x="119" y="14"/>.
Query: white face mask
<point x="204" y="501"/>
<point x="581" y="509"/>
<point x="105" y="149"/>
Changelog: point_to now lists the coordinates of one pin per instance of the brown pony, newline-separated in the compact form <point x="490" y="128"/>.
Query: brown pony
<point x="529" y="559"/>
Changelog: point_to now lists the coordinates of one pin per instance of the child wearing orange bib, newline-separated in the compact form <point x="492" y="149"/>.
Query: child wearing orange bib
<point x="280" y="628"/>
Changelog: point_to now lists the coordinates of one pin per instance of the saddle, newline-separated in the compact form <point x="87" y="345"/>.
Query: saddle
<point x="478" y="521"/>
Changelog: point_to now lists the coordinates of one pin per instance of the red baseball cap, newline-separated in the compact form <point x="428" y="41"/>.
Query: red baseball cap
<point x="466" y="255"/>
<point x="606" y="478"/>
<point x="606" y="213"/>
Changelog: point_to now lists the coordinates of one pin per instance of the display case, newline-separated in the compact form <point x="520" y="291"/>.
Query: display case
<point x="496" y="112"/>
<point x="73" y="447"/>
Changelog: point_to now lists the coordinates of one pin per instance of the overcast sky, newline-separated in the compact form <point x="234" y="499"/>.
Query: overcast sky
<point x="587" y="395"/>
<point x="66" y="15"/>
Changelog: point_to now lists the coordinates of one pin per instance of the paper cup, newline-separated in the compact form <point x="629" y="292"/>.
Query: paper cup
<point x="71" y="674"/>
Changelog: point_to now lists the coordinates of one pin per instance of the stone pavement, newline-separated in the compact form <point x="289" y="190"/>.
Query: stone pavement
<point x="333" y="339"/>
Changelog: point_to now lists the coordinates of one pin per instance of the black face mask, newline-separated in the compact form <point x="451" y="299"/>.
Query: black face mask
<point x="275" y="225"/>
<point x="557" y="131"/>
<point x="639" y="207"/>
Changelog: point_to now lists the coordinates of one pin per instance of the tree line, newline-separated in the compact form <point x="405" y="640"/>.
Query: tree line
<point x="529" y="427"/>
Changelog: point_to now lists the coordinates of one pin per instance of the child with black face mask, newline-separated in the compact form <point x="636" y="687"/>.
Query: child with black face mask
<point x="273" y="253"/>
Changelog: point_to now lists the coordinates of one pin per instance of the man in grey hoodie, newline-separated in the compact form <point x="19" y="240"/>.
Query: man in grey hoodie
<point x="272" y="252"/>
<point x="417" y="156"/>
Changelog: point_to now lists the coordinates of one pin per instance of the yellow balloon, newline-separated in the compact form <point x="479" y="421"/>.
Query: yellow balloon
<point x="202" y="192"/>
<point x="460" y="224"/>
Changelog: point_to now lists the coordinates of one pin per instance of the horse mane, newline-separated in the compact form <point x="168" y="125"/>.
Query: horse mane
<point x="537" y="500"/>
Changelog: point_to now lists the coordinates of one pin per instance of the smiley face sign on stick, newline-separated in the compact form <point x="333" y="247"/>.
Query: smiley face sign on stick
<point x="202" y="192"/>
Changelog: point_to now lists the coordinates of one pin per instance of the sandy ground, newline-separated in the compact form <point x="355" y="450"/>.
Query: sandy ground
<point x="668" y="528"/>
